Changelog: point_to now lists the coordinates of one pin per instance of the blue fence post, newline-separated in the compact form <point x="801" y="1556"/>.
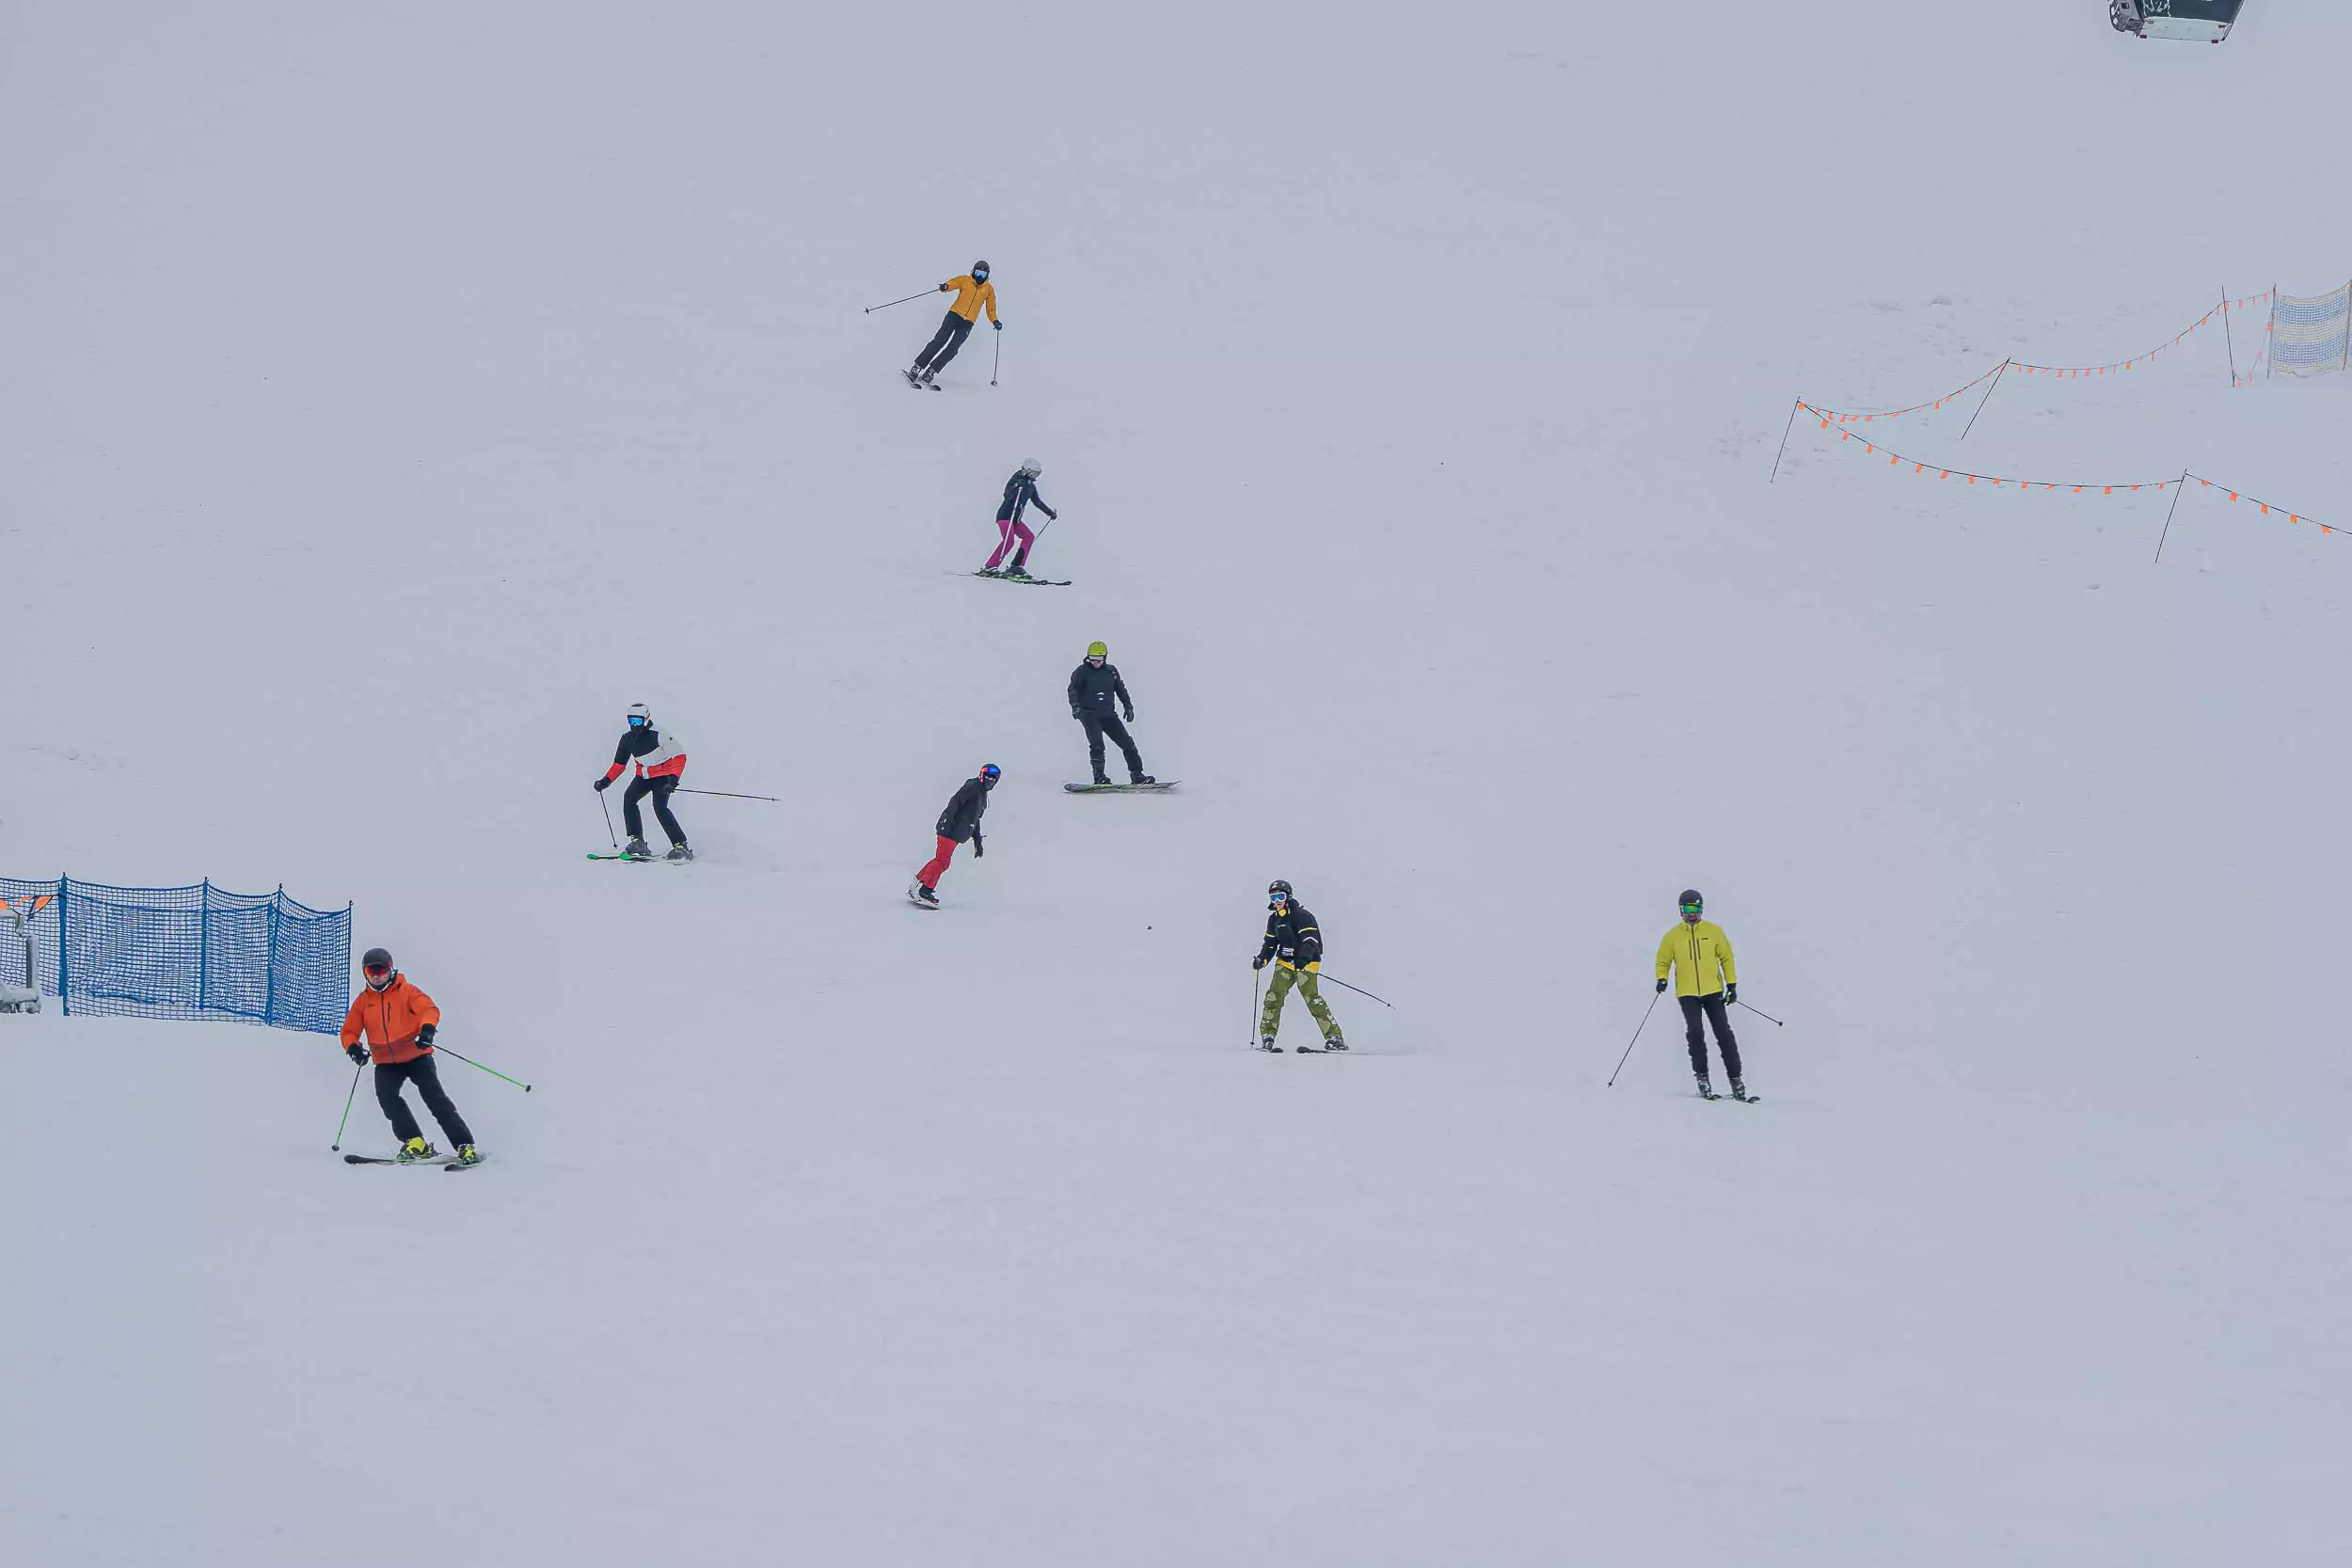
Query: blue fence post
<point x="269" y="991"/>
<point x="65" y="995"/>
<point x="204" y="948"/>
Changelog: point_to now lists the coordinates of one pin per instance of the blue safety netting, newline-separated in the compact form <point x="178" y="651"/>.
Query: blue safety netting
<point x="182" y="952"/>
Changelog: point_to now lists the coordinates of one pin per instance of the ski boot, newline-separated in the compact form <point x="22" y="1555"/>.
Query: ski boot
<point x="1335" y="1042"/>
<point x="928" y="372"/>
<point x="1740" y="1091"/>
<point x="1017" y="572"/>
<point x="1707" y="1091"/>
<point x="415" y="1149"/>
<point x="467" y="1155"/>
<point x="1265" y="1042"/>
<point x="924" y="896"/>
<point x="1141" y="778"/>
<point x="678" y="851"/>
<point x="637" y="849"/>
<point x="1101" y="777"/>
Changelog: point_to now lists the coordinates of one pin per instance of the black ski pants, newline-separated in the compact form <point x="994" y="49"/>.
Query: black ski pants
<point x="390" y="1076"/>
<point x="942" y="347"/>
<point x="1710" y="1007"/>
<point x="660" y="789"/>
<point x="1101" y="724"/>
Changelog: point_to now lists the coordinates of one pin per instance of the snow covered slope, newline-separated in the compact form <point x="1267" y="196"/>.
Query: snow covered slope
<point x="398" y="393"/>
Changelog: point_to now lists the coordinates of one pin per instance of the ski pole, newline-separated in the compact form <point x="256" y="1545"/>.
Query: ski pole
<point x="608" y="819"/>
<point x="728" y="793"/>
<point x="1254" y="983"/>
<point x="1357" y="989"/>
<point x="444" y="1050"/>
<point x="1762" y="1014"/>
<point x="1637" y="1035"/>
<point x="871" y="308"/>
<point x="999" y="361"/>
<point x="347" y="1099"/>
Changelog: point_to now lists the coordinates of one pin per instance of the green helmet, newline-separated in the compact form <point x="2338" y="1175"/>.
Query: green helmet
<point x="1096" y="650"/>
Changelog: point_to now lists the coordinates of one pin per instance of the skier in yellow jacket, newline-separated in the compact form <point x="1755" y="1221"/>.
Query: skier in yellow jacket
<point x="973" y="292"/>
<point x="1706" y="982"/>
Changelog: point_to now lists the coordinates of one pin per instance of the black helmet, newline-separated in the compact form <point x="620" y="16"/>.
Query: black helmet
<point x="979" y="272"/>
<point x="1278" y="891"/>
<point x="1691" y="901"/>
<point x="376" y="964"/>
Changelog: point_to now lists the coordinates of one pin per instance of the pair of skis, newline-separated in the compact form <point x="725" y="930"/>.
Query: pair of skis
<point x="447" y="1161"/>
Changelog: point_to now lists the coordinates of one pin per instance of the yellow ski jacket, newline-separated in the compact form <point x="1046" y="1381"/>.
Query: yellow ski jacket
<point x="970" y="296"/>
<point x="1700" y="957"/>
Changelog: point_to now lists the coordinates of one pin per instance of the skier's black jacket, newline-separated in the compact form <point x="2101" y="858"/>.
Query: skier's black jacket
<point x="962" y="818"/>
<point x="1091" y="690"/>
<point x="1290" y="936"/>
<point x="1019" y="490"/>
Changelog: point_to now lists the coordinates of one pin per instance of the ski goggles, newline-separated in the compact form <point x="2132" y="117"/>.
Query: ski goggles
<point x="638" y="720"/>
<point x="1098" y="660"/>
<point x="1690" y="912"/>
<point x="991" y="772"/>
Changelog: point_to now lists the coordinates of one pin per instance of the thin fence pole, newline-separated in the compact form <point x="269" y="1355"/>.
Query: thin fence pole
<point x="204" y="945"/>
<point x="2226" y="338"/>
<point x="269" y="985"/>
<point x="2347" y="325"/>
<point x="1784" y="438"/>
<point x="2270" y="333"/>
<point x="2183" y="484"/>
<point x="65" y="995"/>
<point x="1987" y="398"/>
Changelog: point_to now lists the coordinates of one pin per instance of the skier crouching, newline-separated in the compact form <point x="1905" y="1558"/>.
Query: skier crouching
<point x="400" y="1022"/>
<point x="1295" y="943"/>
<point x="1707" y="983"/>
<point x="960" y="821"/>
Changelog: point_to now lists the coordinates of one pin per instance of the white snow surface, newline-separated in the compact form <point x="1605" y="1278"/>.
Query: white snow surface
<point x="396" y="393"/>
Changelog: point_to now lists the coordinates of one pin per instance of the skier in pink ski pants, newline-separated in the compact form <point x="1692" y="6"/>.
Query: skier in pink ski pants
<point x="1019" y="490"/>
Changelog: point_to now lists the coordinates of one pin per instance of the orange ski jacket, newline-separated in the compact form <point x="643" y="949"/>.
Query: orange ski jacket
<point x="389" y="1018"/>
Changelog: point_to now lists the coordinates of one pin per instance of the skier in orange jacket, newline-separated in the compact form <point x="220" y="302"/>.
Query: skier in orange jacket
<point x="398" y="1021"/>
<point x="973" y="291"/>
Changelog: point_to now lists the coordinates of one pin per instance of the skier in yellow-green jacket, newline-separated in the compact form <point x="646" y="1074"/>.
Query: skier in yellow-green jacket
<point x="1698" y="956"/>
<point x="973" y="292"/>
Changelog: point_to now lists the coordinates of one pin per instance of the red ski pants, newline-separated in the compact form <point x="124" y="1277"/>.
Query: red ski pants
<point x="930" y="873"/>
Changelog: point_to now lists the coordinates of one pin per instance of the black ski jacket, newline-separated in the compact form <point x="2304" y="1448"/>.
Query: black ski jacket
<point x="1019" y="490"/>
<point x="1292" y="936"/>
<point x="962" y="819"/>
<point x="1093" y="690"/>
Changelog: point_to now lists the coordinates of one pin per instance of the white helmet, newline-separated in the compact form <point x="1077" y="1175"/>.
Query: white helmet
<point x="640" y="714"/>
<point x="1031" y="466"/>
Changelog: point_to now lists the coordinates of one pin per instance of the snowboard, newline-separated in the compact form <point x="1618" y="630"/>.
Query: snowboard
<point x="1154" y="788"/>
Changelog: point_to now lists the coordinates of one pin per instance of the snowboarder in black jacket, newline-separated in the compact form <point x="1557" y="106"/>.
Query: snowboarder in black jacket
<point x="960" y="821"/>
<point x="1094" y="687"/>
<point x="1019" y="490"/>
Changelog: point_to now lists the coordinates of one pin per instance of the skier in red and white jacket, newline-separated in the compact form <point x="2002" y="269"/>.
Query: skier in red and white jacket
<point x="661" y="762"/>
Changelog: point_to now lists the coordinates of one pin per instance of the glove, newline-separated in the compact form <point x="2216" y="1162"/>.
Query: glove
<point x="424" y="1036"/>
<point x="1075" y="714"/>
<point x="604" y="782"/>
<point x="979" y="848"/>
<point x="358" y="1055"/>
<point x="1257" y="963"/>
<point x="999" y="326"/>
<point x="1731" y="993"/>
<point x="1662" y="985"/>
<point x="1131" y="715"/>
<point x="947" y="288"/>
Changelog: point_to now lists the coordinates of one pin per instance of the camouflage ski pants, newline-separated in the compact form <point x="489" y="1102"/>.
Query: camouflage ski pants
<point x="1284" y="978"/>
